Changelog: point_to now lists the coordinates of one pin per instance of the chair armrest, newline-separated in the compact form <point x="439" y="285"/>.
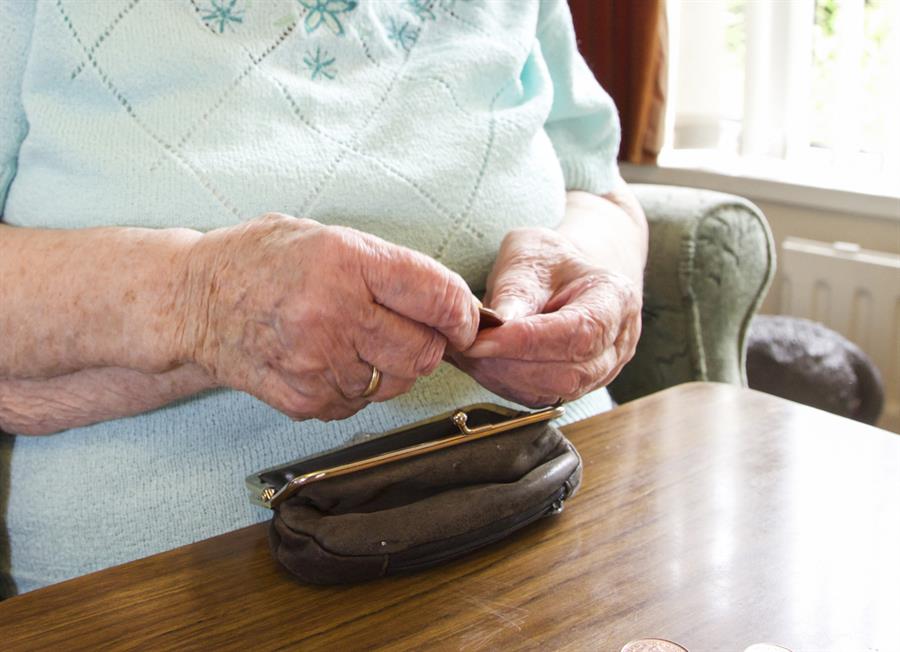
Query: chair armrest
<point x="711" y="260"/>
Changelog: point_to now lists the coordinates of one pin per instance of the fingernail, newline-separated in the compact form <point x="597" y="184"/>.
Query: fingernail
<point x="486" y="349"/>
<point x="510" y="309"/>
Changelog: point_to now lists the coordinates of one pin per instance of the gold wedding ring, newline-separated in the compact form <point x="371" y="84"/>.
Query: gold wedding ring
<point x="374" y="383"/>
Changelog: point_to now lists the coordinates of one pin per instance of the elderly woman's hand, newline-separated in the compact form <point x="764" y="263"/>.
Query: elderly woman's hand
<point x="297" y="313"/>
<point x="571" y="298"/>
<point x="571" y="325"/>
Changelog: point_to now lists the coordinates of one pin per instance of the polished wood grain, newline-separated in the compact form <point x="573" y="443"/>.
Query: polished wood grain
<point x="712" y="516"/>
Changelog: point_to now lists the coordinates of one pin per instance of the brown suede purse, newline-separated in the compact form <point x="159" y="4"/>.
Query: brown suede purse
<point x="418" y="496"/>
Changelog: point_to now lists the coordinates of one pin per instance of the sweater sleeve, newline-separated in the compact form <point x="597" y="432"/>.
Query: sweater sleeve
<point x="583" y="124"/>
<point x="16" y="22"/>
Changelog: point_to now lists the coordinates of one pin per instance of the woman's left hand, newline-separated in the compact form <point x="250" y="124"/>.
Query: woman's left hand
<point x="571" y="325"/>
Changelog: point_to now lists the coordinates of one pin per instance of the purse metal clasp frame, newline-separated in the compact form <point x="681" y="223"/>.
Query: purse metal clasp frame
<point x="460" y="419"/>
<point x="271" y="497"/>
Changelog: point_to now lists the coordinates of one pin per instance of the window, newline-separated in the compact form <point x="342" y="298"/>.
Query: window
<point x="805" y="89"/>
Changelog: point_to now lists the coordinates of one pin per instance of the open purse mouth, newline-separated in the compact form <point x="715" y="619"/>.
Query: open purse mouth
<point x="271" y="487"/>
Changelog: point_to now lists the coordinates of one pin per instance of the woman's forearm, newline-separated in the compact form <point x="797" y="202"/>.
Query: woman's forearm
<point x="611" y="230"/>
<point x="43" y="407"/>
<point x="252" y="306"/>
<point x="80" y="299"/>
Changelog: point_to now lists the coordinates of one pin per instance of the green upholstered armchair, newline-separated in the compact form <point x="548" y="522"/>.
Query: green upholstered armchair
<point x="711" y="261"/>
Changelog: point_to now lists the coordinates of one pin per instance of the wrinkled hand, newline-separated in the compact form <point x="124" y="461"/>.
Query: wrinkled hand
<point x="297" y="313"/>
<point x="571" y="325"/>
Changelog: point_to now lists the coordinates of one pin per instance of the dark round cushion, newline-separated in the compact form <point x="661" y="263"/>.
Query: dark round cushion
<point x="803" y="361"/>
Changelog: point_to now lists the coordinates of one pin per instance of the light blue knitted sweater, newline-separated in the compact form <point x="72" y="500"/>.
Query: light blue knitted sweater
<point x="436" y="124"/>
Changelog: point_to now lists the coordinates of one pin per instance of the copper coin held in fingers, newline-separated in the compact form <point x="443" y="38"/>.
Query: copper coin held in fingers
<point x="488" y="318"/>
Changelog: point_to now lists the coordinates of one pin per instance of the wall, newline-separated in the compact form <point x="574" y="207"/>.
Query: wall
<point x="880" y="234"/>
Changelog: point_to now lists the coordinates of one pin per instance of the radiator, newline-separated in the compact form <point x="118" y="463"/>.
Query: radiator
<point x="853" y="291"/>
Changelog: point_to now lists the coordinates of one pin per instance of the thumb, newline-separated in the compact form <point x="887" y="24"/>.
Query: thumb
<point x="518" y="293"/>
<point x="512" y="307"/>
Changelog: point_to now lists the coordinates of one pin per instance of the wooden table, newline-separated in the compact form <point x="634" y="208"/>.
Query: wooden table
<point x="710" y="515"/>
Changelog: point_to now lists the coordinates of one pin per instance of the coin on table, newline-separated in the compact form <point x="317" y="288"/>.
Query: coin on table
<point x="766" y="647"/>
<point x="653" y="645"/>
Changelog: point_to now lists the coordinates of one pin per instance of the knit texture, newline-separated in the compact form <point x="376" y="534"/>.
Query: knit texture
<point x="436" y="124"/>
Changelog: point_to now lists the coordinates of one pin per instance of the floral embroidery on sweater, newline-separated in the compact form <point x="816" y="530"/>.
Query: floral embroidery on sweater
<point x="319" y="64"/>
<point x="326" y="12"/>
<point x="422" y="8"/>
<point x="404" y="35"/>
<point x="222" y="13"/>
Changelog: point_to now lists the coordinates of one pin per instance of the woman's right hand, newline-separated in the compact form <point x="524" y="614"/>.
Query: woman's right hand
<point x="297" y="313"/>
